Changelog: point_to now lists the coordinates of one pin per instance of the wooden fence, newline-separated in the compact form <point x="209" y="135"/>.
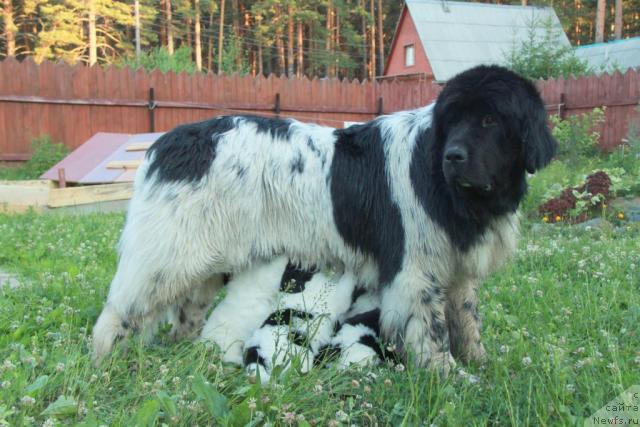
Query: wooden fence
<point x="71" y="103"/>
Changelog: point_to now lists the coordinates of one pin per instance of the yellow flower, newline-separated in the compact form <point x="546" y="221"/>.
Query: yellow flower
<point x="545" y="219"/>
<point x="620" y="215"/>
<point x="558" y="218"/>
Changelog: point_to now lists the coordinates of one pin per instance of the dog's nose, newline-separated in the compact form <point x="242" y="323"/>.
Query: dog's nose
<point x="456" y="155"/>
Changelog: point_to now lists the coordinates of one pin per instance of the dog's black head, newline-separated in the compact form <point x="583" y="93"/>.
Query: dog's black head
<point x="488" y="129"/>
<point x="490" y="126"/>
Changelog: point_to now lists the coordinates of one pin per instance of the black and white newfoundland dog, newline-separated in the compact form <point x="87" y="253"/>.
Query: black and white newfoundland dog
<point x="420" y="206"/>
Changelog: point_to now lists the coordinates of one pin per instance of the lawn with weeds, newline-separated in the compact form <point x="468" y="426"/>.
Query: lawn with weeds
<point x="560" y="326"/>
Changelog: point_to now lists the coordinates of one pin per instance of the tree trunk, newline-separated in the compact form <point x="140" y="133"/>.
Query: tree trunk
<point x="189" y="22"/>
<point x="618" y="20"/>
<point x="365" y="56"/>
<point x="329" y="27"/>
<point x="380" y="40"/>
<point x="336" y="43"/>
<point x="210" y="42"/>
<point x="196" y="34"/>
<point x="137" y="19"/>
<point x="93" y="46"/>
<point x="236" y="31"/>
<point x="169" y="23"/>
<point x="220" y="36"/>
<point x="260" y="64"/>
<point x="300" y="51"/>
<point x="524" y="2"/>
<point x="600" y="18"/>
<point x="372" y="67"/>
<point x="290" y="41"/>
<point x="9" y="28"/>
<point x="279" y="43"/>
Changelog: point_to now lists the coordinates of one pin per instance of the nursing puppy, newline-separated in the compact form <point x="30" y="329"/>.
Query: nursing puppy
<point x="420" y="205"/>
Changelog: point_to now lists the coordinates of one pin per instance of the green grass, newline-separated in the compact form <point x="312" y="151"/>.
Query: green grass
<point x="570" y="302"/>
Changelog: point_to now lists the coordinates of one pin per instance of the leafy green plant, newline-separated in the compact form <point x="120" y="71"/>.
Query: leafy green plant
<point x="540" y="55"/>
<point x="577" y="135"/>
<point x="161" y="59"/>
<point x="44" y="155"/>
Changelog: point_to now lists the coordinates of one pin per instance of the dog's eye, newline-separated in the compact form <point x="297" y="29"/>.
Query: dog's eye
<point x="488" y="120"/>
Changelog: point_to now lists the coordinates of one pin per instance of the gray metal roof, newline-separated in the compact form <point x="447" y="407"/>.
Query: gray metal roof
<point x="459" y="35"/>
<point x="618" y="54"/>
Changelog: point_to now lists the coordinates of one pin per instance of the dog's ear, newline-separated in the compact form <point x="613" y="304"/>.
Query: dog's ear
<point x="539" y="145"/>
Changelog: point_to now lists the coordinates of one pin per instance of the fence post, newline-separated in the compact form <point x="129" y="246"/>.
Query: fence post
<point x="380" y="106"/>
<point x="152" y="106"/>
<point x="277" y="106"/>
<point x="562" y="106"/>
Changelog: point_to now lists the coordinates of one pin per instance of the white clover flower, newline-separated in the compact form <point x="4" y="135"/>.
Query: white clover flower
<point x="252" y="404"/>
<point x="526" y="361"/>
<point x="341" y="415"/>
<point x="60" y="367"/>
<point x="27" y="400"/>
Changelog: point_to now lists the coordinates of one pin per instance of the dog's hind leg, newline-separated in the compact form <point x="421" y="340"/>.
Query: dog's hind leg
<point x="190" y="312"/>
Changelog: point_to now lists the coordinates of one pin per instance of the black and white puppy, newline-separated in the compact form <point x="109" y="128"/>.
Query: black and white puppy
<point x="276" y="312"/>
<point x="420" y="205"/>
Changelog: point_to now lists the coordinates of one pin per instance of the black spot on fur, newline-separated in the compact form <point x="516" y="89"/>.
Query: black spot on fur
<point x="437" y="331"/>
<point x="357" y="293"/>
<point x="125" y="324"/>
<point x="370" y="319"/>
<point x="297" y="165"/>
<point x="371" y="342"/>
<point x="275" y="128"/>
<point x="366" y="216"/>
<point x="295" y="278"/>
<point x="426" y="297"/>
<point x="251" y="355"/>
<point x="467" y="305"/>
<point x="285" y="316"/>
<point x="226" y="277"/>
<point x="326" y="353"/>
<point x="298" y="338"/>
<point x="182" y="317"/>
<point x="312" y="147"/>
<point x="186" y="152"/>
<point x="241" y="171"/>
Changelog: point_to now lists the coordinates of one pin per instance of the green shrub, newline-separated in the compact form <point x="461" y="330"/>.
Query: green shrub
<point x="161" y="59"/>
<point x="44" y="155"/>
<point x="577" y="135"/>
<point x="540" y="55"/>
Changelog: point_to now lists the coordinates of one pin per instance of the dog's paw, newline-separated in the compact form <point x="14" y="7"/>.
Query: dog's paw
<point x="441" y="362"/>
<point x="108" y="329"/>
<point x="475" y="353"/>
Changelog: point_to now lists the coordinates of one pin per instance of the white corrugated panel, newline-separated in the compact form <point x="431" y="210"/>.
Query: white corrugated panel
<point x="618" y="54"/>
<point x="458" y="35"/>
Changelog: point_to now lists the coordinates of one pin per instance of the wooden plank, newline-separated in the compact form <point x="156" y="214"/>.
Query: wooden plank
<point x="139" y="146"/>
<point x="90" y="194"/>
<point x="124" y="164"/>
<point x="32" y="183"/>
<point x="20" y="198"/>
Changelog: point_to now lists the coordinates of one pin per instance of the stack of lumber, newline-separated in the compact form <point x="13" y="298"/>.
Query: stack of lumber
<point x="41" y="195"/>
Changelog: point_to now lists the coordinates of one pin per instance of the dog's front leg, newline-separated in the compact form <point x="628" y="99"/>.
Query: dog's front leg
<point x="412" y="316"/>
<point x="463" y="321"/>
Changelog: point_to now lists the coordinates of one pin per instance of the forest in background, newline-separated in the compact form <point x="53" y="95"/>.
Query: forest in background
<point x="331" y="38"/>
